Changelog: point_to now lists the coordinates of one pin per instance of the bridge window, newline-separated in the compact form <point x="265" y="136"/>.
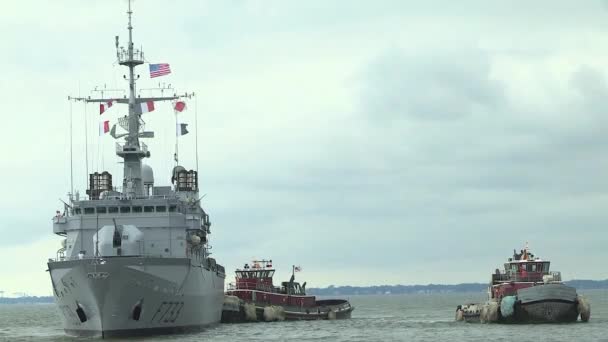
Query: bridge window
<point x="113" y="210"/>
<point x="125" y="210"/>
<point x="101" y="210"/>
<point x="89" y="211"/>
<point x="161" y="208"/>
<point x="148" y="209"/>
<point x="137" y="209"/>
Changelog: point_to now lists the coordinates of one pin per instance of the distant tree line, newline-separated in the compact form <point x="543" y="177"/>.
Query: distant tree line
<point x="434" y="288"/>
<point x="368" y="290"/>
<point x="27" y="300"/>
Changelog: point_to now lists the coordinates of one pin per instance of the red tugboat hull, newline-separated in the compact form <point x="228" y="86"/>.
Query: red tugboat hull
<point x="326" y="309"/>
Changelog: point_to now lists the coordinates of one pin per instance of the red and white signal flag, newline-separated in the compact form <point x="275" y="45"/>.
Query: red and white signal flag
<point x="105" y="106"/>
<point x="147" y="106"/>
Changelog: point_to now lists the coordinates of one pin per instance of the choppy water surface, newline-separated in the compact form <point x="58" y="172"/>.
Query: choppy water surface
<point x="376" y="318"/>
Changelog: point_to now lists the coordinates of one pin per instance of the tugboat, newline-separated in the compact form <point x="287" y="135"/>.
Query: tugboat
<point x="135" y="259"/>
<point x="255" y="298"/>
<point x="527" y="292"/>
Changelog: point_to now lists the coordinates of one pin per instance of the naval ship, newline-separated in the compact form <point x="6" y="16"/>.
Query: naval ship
<point x="135" y="258"/>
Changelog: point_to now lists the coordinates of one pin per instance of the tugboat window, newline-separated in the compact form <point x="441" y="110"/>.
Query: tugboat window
<point x="101" y="210"/>
<point x="161" y="209"/>
<point x="112" y="210"/>
<point x="125" y="210"/>
<point x="172" y="208"/>
<point x="89" y="211"/>
<point x="148" y="209"/>
<point x="137" y="209"/>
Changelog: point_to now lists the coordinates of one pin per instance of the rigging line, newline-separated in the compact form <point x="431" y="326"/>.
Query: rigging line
<point x="80" y="236"/>
<point x="97" y="236"/>
<point x="176" y="157"/>
<point x="102" y="156"/>
<point x="196" y="132"/>
<point x="71" y="155"/>
<point x="86" y="144"/>
<point x="99" y="136"/>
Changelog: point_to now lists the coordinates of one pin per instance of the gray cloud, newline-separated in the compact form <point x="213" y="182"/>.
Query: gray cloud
<point x="430" y="85"/>
<point x="403" y="140"/>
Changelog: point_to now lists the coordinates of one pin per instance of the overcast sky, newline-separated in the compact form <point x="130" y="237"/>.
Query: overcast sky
<point x="370" y="142"/>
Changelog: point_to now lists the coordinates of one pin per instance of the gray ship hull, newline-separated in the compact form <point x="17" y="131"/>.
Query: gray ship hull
<point x="130" y="296"/>
<point x="549" y="303"/>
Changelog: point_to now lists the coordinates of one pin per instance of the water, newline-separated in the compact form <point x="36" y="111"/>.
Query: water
<point x="376" y="318"/>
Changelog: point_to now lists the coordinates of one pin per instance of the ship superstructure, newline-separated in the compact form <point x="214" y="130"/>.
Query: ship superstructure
<point x="135" y="258"/>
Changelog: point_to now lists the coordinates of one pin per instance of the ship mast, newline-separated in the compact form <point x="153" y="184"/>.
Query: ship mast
<point x="132" y="151"/>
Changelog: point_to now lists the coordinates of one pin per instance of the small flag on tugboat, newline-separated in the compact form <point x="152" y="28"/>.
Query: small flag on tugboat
<point x="181" y="129"/>
<point x="160" y="69"/>
<point x="297" y="268"/>
<point x="104" y="127"/>
<point x="105" y="106"/>
<point x="147" y="106"/>
<point x="179" y="106"/>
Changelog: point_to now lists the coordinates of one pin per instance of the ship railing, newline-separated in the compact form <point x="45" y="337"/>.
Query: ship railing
<point x="143" y="250"/>
<point x="71" y="258"/>
<point x="142" y="148"/>
<point x="118" y="193"/>
<point x="60" y="219"/>
<point x="124" y="57"/>
<point x="248" y="286"/>
<point x="525" y="277"/>
<point x="221" y="269"/>
<point x="553" y="276"/>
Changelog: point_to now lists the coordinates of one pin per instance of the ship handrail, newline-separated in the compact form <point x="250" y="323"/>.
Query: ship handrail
<point x="121" y="195"/>
<point x="243" y="286"/>
<point x="249" y="286"/>
<point x="149" y="256"/>
<point x="273" y="293"/>
<point x="536" y="278"/>
<point x="143" y="254"/>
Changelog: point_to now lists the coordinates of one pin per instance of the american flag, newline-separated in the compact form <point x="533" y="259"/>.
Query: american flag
<point x="160" y="69"/>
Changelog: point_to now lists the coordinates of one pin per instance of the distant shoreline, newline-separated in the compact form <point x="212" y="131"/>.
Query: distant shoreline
<point x="435" y="288"/>
<point x="369" y="290"/>
<point x="27" y="300"/>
